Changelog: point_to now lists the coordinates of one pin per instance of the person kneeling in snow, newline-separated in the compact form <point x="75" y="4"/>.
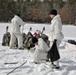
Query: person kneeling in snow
<point x="41" y="50"/>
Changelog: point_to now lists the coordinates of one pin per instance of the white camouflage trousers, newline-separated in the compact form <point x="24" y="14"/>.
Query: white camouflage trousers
<point x="13" y="39"/>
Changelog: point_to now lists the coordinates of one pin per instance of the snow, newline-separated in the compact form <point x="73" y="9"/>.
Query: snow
<point x="21" y="60"/>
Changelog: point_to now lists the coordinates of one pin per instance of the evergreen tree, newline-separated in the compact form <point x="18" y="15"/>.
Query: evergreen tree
<point x="71" y="1"/>
<point x="68" y="12"/>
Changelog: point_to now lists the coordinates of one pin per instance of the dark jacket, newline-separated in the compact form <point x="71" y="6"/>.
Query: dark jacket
<point x="53" y="53"/>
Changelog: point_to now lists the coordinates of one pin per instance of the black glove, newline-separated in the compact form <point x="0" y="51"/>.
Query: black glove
<point x="19" y="25"/>
<point x="55" y="40"/>
<point x="28" y="48"/>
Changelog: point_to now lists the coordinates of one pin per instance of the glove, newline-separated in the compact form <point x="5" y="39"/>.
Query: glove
<point x="19" y="25"/>
<point x="55" y="40"/>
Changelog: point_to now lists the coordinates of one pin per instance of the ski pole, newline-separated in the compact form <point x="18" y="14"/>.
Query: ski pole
<point x="43" y="29"/>
<point x="17" y="67"/>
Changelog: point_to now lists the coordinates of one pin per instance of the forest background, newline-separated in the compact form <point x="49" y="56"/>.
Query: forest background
<point x="37" y="11"/>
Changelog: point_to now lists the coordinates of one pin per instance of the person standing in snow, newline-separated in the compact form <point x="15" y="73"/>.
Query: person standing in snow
<point x="17" y="22"/>
<point x="56" y="35"/>
<point x="41" y="49"/>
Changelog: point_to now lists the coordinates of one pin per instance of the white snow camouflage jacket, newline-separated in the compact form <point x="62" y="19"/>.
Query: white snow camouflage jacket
<point x="56" y="29"/>
<point x="16" y="23"/>
<point x="41" y="49"/>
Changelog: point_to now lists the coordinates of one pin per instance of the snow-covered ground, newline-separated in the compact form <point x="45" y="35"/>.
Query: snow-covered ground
<point x="20" y="61"/>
